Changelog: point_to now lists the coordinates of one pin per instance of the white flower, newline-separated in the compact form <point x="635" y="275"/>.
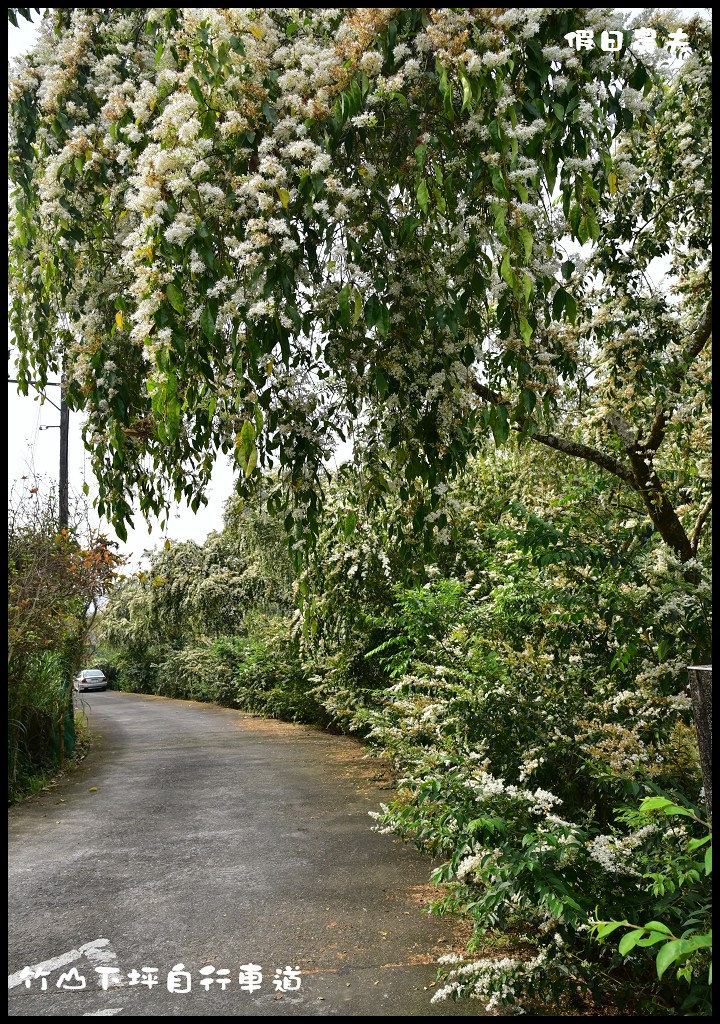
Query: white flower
<point x="371" y="63"/>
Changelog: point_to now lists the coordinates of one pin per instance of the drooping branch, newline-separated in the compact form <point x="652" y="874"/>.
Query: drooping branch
<point x="689" y="354"/>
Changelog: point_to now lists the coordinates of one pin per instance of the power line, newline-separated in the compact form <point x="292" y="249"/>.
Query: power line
<point x="50" y="384"/>
<point x="63" y="488"/>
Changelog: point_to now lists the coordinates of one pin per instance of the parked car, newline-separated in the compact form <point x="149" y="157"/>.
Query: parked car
<point x="90" y="679"/>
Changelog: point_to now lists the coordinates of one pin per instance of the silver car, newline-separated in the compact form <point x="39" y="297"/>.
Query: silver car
<point x="90" y="679"/>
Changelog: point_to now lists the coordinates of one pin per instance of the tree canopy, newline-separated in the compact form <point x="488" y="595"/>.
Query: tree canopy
<point x="261" y="230"/>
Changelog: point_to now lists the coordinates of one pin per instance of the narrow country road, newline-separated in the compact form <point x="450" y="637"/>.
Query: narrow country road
<point x="200" y="836"/>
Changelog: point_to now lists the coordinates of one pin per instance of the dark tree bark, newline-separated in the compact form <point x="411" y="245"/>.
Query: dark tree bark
<point x="701" y="695"/>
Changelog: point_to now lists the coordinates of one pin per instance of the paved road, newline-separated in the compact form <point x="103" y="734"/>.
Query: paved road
<point x="200" y="836"/>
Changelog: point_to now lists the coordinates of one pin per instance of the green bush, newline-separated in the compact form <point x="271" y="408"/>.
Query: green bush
<point x="36" y="723"/>
<point x="258" y="670"/>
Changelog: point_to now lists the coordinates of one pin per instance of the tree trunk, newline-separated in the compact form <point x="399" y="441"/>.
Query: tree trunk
<point x="701" y="695"/>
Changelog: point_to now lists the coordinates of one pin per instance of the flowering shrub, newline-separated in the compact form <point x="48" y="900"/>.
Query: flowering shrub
<point x="258" y="671"/>
<point x="679" y="883"/>
<point x="527" y="683"/>
<point x="526" y="679"/>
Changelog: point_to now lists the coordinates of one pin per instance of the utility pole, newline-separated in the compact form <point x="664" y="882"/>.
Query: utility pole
<point x="64" y="435"/>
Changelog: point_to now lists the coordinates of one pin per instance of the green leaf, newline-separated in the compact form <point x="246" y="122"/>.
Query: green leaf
<point x="500" y="425"/>
<point x="245" y="451"/>
<point x="527" y="240"/>
<point x="173" y="410"/>
<point x="669" y="953"/>
<point x="349" y="524"/>
<point x="655" y="803"/>
<point x="525" y="330"/>
<point x="423" y="196"/>
<point x="629" y="941"/>
<point x="527" y="286"/>
<point x="383" y="323"/>
<point x="284" y="196"/>
<point x="381" y="381"/>
<point x="175" y="297"/>
<point x="651" y="939"/>
<point x="657" y="926"/>
<point x="570" y="307"/>
<point x="661" y="803"/>
<point x="372" y="310"/>
<point x="247" y="435"/>
<point x="673" y="951"/>
<point x="697" y="942"/>
<point x="251" y="462"/>
<point x="559" y="301"/>
<point x="655" y="932"/>
<point x="358" y="307"/>
<point x="505" y="271"/>
<point x="207" y="323"/>
<point x="593" y="226"/>
<point x="194" y="87"/>
<point x="499" y="183"/>
<point x="344" y="305"/>
<point x="609" y="927"/>
<point x="529" y="400"/>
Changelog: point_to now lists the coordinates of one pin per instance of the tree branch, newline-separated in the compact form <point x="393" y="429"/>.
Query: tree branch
<point x="584" y="451"/>
<point x="622" y="428"/>
<point x="690" y="352"/>
<point x="561" y="444"/>
<point x="487" y="394"/>
<point x="640" y="474"/>
<point x="704" y="513"/>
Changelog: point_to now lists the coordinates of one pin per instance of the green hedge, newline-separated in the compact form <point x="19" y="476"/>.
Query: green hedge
<point x="258" y="671"/>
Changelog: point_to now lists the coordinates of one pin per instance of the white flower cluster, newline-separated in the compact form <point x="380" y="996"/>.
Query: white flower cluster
<point x="492" y="981"/>
<point x="613" y="852"/>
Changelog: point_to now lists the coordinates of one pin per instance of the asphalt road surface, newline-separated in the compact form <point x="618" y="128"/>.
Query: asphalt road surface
<point x="198" y="836"/>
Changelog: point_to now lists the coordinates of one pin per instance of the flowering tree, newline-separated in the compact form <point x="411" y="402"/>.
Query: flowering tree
<point x="262" y="229"/>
